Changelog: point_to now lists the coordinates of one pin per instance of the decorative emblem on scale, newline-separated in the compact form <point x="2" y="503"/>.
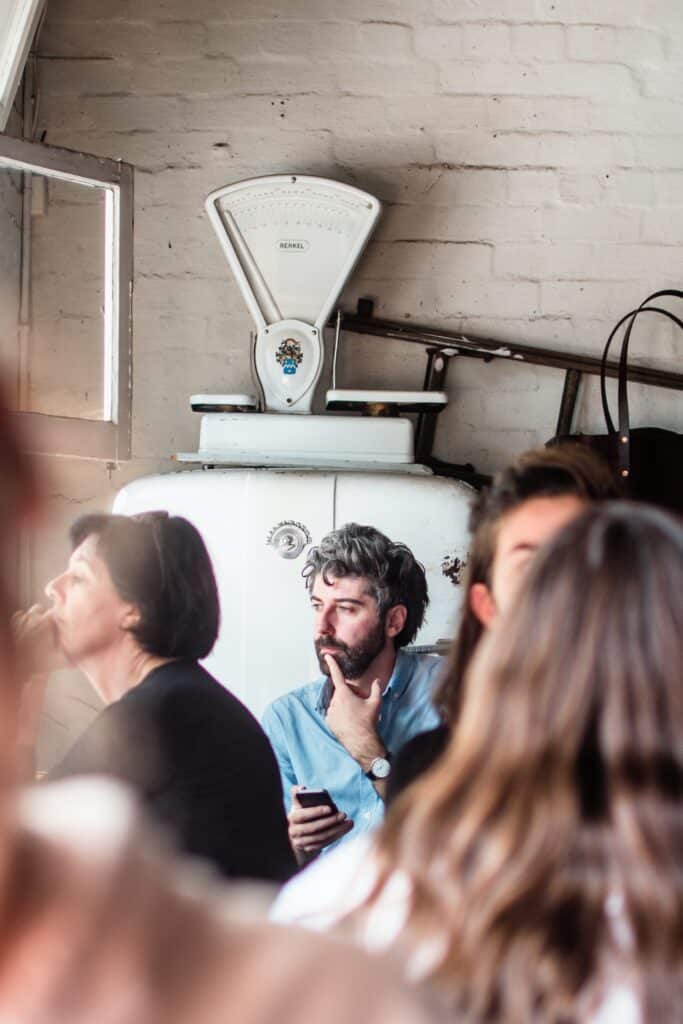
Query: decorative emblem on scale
<point x="288" y="538"/>
<point x="452" y="568"/>
<point x="289" y="355"/>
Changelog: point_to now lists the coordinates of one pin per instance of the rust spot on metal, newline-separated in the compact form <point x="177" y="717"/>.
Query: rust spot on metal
<point x="452" y="568"/>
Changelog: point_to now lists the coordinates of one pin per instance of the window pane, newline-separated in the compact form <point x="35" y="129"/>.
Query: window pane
<point x="55" y="337"/>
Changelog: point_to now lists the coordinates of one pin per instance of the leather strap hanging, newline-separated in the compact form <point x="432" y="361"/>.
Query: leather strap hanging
<point x="622" y="437"/>
<point x="647" y="461"/>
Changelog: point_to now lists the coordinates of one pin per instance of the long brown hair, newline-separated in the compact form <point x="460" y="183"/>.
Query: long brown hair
<point x="562" y="788"/>
<point x="539" y="473"/>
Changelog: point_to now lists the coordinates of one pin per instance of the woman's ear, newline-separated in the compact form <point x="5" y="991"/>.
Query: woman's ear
<point x="482" y="603"/>
<point x="395" y="620"/>
<point x="130" y="618"/>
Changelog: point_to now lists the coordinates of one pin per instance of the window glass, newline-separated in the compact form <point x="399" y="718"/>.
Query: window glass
<point x="53" y="320"/>
<point x="66" y="279"/>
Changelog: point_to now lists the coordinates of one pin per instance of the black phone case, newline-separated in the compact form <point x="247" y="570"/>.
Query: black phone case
<point x="316" y="798"/>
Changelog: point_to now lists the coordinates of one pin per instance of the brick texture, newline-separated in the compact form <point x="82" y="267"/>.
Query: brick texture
<point x="528" y="156"/>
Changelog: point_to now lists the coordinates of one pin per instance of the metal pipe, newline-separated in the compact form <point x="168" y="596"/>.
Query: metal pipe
<point x="489" y="348"/>
<point x="570" y="392"/>
<point x="435" y="380"/>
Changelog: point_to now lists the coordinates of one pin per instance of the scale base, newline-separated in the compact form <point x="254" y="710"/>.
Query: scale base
<point x="223" y="403"/>
<point x="242" y="438"/>
<point x="218" y="460"/>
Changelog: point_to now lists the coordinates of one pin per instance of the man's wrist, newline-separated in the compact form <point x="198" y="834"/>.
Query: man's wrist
<point x="369" y="753"/>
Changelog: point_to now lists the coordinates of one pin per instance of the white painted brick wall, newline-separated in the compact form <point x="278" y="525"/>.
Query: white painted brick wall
<point x="489" y="42"/>
<point x="530" y="42"/>
<point x="528" y="155"/>
<point x="551" y="79"/>
<point x="597" y="43"/>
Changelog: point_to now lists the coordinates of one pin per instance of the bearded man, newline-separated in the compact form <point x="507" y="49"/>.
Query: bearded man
<point x="338" y="733"/>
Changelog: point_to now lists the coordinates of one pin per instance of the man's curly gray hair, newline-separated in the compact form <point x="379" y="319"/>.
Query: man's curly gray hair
<point x="393" y="573"/>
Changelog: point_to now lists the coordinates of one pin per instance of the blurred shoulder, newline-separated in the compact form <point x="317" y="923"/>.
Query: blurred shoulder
<point x="92" y="815"/>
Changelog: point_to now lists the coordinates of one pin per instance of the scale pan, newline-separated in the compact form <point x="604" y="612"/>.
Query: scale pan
<point x="383" y="402"/>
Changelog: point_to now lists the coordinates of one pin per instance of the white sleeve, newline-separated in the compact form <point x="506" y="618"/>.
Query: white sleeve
<point x="620" y="1006"/>
<point x="332" y="886"/>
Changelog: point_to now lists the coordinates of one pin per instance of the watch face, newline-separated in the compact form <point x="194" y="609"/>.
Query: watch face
<point x="380" y="768"/>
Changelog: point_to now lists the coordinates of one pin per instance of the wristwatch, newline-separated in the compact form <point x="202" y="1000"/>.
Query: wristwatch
<point x="380" y="768"/>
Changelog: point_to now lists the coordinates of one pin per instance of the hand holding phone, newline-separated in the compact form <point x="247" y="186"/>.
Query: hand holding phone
<point x="314" y="821"/>
<point x="316" y="798"/>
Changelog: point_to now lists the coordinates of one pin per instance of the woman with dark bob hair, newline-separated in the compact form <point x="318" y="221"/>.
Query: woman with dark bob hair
<point x="135" y="609"/>
<point x="534" y="874"/>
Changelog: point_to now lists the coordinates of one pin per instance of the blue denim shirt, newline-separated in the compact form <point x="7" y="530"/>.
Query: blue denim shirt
<point x="309" y="754"/>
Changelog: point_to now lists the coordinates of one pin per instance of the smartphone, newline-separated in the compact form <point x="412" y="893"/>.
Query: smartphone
<point x="316" y="798"/>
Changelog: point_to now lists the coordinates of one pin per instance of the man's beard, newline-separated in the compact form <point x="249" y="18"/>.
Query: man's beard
<point x="353" y="661"/>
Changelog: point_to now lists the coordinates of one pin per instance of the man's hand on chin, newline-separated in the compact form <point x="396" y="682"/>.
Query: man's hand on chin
<point x="353" y="718"/>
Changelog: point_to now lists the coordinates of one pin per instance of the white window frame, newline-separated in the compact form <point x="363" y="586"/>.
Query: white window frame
<point x="107" y="439"/>
<point x="14" y="46"/>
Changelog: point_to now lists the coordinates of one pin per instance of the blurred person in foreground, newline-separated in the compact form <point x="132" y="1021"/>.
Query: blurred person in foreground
<point x="541" y="858"/>
<point x="100" y="924"/>
<point x="534" y="873"/>
<point x="524" y="507"/>
<point x="135" y="608"/>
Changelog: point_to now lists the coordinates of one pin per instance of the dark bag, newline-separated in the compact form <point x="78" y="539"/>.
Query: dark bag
<point x="647" y="460"/>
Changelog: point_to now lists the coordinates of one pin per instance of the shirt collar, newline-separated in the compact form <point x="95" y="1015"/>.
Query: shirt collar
<point x="397" y="684"/>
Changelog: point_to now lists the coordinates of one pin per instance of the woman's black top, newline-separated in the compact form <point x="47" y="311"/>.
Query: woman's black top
<point x="202" y="765"/>
<point x="414" y="758"/>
